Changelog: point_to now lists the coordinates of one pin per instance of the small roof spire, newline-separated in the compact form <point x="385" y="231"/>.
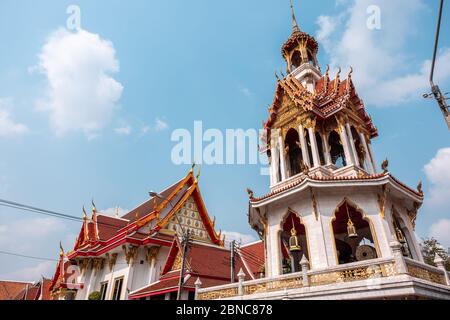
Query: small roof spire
<point x="294" y="20"/>
<point x="61" y="250"/>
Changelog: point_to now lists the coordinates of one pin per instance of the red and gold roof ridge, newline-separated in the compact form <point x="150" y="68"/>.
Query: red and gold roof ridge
<point x="304" y="178"/>
<point x="108" y="236"/>
<point x="331" y="96"/>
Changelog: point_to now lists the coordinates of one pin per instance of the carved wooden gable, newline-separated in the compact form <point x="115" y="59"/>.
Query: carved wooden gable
<point x="189" y="217"/>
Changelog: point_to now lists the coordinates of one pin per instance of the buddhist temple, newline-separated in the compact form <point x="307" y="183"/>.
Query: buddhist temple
<point x="137" y="256"/>
<point x="332" y="224"/>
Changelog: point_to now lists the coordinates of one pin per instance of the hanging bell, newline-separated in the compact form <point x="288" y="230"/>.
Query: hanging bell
<point x="351" y="230"/>
<point x="294" y="245"/>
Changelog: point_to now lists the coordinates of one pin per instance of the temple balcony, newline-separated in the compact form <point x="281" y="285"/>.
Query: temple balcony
<point x="394" y="278"/>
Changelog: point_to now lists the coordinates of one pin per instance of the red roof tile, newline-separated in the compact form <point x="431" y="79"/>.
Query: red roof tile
<point x="10" y="289"/>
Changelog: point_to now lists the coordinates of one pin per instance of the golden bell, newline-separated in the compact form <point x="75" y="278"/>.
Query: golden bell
<point x="294" y="245"/>
<point x="351" y="230"/>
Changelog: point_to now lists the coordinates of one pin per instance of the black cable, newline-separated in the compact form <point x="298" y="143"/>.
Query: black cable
<point x="25" y="256"/>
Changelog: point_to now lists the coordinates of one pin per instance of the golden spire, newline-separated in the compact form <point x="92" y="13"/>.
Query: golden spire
<point x="198" y="175"/>
<point x="94" y="209"/>
<point x="84" y="213"/>
<point x="294" y="20"/>
<point x="61" y="250"/>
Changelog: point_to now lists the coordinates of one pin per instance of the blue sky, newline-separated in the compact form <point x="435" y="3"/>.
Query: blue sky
<point x="165" y="64"/>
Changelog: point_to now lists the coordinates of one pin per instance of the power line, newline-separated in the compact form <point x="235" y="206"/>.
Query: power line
<point x="25" y="256"/>
<point x="24" y="207"/>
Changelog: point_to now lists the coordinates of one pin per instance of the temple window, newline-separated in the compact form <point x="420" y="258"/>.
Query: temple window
<point x="402" y="234"/>
<point x="117" y="289"/>
<point x="336" y="150"/>
<point x="359" y="147"/>
<point x="294" y="155"/>
<point x="294" y="243"/>
<point x="320" y="149"/>
<point x="353" y="236"/>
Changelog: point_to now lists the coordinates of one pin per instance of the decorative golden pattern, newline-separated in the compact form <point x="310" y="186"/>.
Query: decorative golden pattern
<point x="218" y="294"/>
<point x="177" y="263"/>
<point x="425" y="274"/>
<point x="354" y="274"/>
<point x="152" y="253"/>
<point x="290" y="283"/>
<point x="382" y="201"/>
<point x="189" y="217"/>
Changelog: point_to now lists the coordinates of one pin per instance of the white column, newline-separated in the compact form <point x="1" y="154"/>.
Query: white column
<point x="369" y="164"/>
<point x="152" y="270"/>
<point x="352" y="144"/>
<point x="326" y="149"/>
<point x="314" y="149"/>
<point x="372" y="156"/>
<point x="345" y="144"/>
<point x="282" y="159"/>
<point x="274" y="255"/>
<point x="273" y="168"/>
<point x="129" y="279"/>
<point x="91" y="279"/>
<point x="301" y="133"/>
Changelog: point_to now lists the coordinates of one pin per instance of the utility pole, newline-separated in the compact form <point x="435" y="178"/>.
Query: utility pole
<point x="186" y="242"/>
<point x="435" y="90"/>
<point x="233" y="260"/>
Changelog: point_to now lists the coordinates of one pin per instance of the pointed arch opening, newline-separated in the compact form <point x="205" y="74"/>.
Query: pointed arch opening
<point x="337" y="152"/>
<point x="353" y="236"/>
<point x="293" y="152"/>
<point x="292" y="250"/>
<point x="359" y="147"/>
<point x="403" y="235"/>
<point x="320" y="148"/>
<point x="296" y="60"/>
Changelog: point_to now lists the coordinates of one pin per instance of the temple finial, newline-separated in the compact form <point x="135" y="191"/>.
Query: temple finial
<point x="294" y="20"/>
<point x="61" y="250"/>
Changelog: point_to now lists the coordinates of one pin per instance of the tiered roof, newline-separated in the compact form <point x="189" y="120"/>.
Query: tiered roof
<point x="329" y="98"/>
<point x="102" y="233"/>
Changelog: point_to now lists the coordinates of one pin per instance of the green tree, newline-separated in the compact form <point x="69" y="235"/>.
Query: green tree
<point x="95" y="296"/>
<point x="430" y="247"/>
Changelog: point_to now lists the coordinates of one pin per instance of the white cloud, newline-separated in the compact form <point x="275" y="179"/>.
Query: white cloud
<point x="125" y="131"/>
<point x="160" y="125"/>
<point x="8" y="127"/>
<point x="441" y="232"/>
<point x="327" y="26"/>
<point x="112" y="211"/>
<point x="33" y="273"/>
<point x="438" y="174"/>
<point x="82" y="95"/>
<point x="27" y="236"/>
<point x="379" y="57"/>
<point x="239" y="237"/>
<point x="245" y="91"/>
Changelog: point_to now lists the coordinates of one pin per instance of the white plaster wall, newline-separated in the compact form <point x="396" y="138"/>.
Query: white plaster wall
<point x="321" y="243"/>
